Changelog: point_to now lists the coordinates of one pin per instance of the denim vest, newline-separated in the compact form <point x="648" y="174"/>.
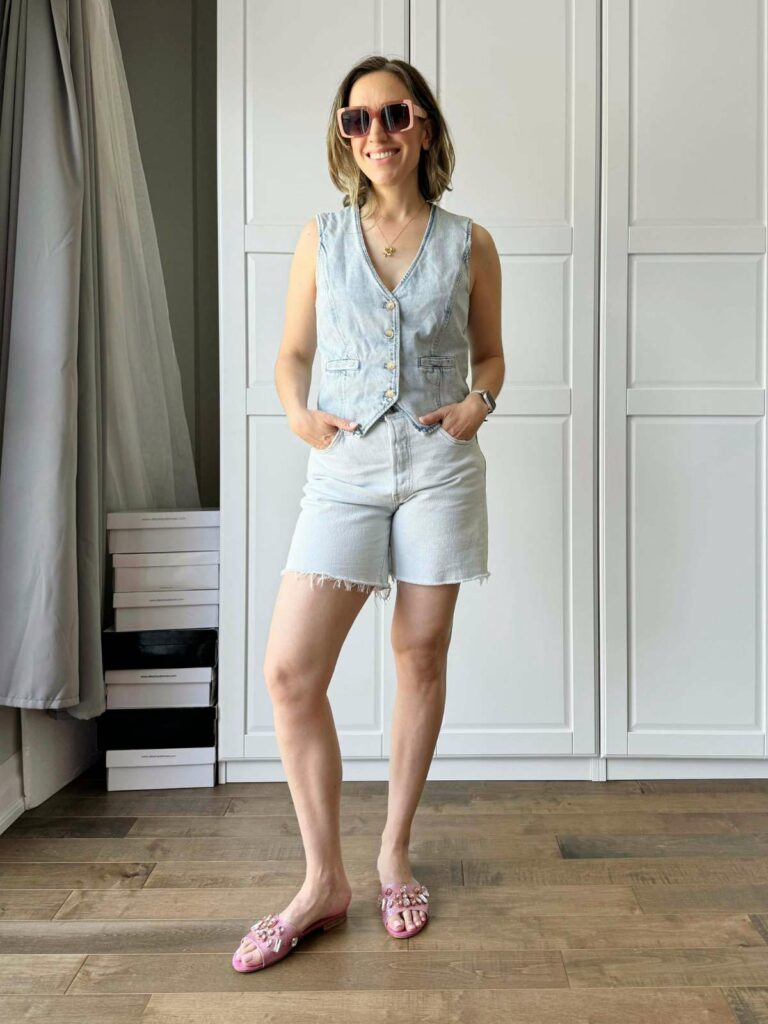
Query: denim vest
<point x="405" y="348"/>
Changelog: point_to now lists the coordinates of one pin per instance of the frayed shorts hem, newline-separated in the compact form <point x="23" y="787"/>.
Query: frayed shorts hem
<point x="482" y="577"/>
<point x="380" y="590"/>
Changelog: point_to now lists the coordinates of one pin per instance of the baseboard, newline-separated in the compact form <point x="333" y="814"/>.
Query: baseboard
<point x="594" y="769"/>
<point x="686" y="768"/>
<point x="11" y="791"/>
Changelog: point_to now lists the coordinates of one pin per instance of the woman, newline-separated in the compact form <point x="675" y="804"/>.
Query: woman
<point x="395" y="488"/>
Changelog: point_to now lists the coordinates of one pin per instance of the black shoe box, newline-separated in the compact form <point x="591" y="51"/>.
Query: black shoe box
<point x="159" y="648"/>
<point x="149" y="728"/>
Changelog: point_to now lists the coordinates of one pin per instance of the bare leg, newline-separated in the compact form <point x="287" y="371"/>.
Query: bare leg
<point x="421" y="635"/>
<point x="308" y="628"/>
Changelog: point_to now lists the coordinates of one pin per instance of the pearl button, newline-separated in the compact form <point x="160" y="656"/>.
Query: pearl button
<point x="390" y="366"/>
<point x="389" y="332"/>
<point x="390" y="304"/>
<point x="389" y="392"/>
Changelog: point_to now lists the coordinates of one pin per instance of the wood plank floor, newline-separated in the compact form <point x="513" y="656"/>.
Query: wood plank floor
<point x="552" y="903"/>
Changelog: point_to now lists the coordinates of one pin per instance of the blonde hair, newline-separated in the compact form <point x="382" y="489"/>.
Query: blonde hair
<point x="436" y="164"/>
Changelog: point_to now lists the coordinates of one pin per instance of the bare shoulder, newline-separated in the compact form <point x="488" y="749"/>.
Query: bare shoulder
<point x="304" y="256"/>
<point x="308" y="238"/>
<point x="299" y="331"/>
<point x="484" y="258"/>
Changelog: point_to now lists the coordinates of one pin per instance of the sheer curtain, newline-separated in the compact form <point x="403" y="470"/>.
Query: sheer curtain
<point x="91" y="412"/>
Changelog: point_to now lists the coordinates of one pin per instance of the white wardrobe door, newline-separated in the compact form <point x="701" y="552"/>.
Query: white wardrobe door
<point x="518" y="82"/>
<point x="683" y="378"/>
<point x="279" y="67"/>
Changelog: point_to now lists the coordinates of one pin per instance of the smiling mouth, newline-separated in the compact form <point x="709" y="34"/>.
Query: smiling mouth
<point x="383" y="159"/>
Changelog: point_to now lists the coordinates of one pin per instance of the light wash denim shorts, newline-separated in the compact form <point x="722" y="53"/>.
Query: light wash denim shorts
<point x="396" y="503"/>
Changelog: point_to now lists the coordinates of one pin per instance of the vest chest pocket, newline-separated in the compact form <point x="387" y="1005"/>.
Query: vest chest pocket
<point x="342" y="365"/>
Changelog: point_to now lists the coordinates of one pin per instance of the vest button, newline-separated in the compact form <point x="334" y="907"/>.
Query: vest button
<point x="390" y="366"/>
<point x="389" y="393"/>
<point x="390" y="304"/>
<point x="389" y="332"/>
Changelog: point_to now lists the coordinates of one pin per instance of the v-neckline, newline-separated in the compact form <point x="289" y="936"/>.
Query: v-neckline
<point x="411" y="268"/>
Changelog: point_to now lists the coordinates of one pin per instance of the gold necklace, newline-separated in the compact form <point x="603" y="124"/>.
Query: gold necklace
<point x="390" y="250"/>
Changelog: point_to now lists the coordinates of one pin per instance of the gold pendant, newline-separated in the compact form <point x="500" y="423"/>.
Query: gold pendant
<point x="389" y="251"/>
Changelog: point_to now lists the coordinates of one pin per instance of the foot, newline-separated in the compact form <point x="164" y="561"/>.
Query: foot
<point x="395" y="866"/>
<point x="310" y="903"/>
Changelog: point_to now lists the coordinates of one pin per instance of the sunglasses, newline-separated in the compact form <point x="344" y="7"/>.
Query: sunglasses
<point x="394" y="117"/>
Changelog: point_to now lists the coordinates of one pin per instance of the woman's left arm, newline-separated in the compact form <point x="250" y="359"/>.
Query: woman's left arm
<point x="484" y="326"/>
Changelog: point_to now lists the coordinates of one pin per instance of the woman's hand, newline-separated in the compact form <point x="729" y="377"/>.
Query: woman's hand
<point x="460" y="419"/>
<point x="317" y="428"/>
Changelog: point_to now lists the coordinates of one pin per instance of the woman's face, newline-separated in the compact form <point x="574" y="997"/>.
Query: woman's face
<point x="374" y="90"/>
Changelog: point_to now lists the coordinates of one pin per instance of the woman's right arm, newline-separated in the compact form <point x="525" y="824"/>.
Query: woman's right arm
<point x="293" y="369"/>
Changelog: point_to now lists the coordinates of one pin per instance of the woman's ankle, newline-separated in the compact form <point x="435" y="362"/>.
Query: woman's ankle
<point x="327" y="878"/>
<point x="394" y="848"/>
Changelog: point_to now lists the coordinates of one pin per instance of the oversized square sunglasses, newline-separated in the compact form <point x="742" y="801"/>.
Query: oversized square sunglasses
<point x="394" y="117"/>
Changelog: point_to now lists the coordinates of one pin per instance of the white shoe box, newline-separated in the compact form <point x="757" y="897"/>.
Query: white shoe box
<point x="159" y="687"/>
<point x="167" y="609"/>
<point x="191" y="538"/>
<point x="164" y="530"/>
<point x="166" y="570"/>
<point x="162" y="518"/>
<point x="161" y="768"/>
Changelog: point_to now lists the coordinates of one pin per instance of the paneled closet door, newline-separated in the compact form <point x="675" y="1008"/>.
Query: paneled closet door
<point x="683" y="378"/>
<point x="518" y="82"/>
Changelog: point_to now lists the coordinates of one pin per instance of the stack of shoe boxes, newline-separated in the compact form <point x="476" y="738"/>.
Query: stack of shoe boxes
<point x="161" y="654"/>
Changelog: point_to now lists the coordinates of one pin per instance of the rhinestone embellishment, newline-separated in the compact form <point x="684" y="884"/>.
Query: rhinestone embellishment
<point x="268" y="929"/>
<point x="403" y="898"/>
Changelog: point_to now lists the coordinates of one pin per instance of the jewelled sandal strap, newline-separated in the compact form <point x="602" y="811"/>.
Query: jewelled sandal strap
<point x="276" y="932"/>
<point x="391" y="904"/>
<point x="267" y="946"/>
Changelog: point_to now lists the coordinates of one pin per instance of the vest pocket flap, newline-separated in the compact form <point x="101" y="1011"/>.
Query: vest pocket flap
<point x="342" y="364"/>
<point x="436" y="361"/>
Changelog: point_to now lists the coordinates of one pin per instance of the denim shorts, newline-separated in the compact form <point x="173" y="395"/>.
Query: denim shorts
<point x="396" y="503"/>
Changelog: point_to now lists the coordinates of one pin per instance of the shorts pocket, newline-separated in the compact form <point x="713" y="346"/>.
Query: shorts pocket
<point x="334" y="441"/>
<point x="454" y="440"/>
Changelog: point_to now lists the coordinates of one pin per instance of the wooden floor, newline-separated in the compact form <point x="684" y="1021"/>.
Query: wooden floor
<point x="552" y="903"/>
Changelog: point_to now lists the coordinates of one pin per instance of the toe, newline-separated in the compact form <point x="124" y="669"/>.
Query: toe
<point x="249" y="952"/>
<point x="253" y="957"/>
<point x="396" y="922"/>
<point x="409" y="922"/>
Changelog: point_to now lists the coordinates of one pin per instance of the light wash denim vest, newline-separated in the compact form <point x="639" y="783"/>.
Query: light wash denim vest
<point x="405" y="348"/>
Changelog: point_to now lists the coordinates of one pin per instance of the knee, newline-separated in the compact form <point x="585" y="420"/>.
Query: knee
<point x="423" y="659"/>
<point x="289" y="684"/>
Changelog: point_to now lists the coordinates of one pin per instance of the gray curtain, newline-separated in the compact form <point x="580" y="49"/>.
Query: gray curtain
<point x="91" y="409"/>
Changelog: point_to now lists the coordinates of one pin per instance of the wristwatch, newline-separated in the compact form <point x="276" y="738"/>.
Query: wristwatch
<point x="487" y="398"/>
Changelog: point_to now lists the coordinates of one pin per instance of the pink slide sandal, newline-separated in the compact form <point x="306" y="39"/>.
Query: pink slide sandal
<point x="398" y="896"/>
<point x="276" y="937"/>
